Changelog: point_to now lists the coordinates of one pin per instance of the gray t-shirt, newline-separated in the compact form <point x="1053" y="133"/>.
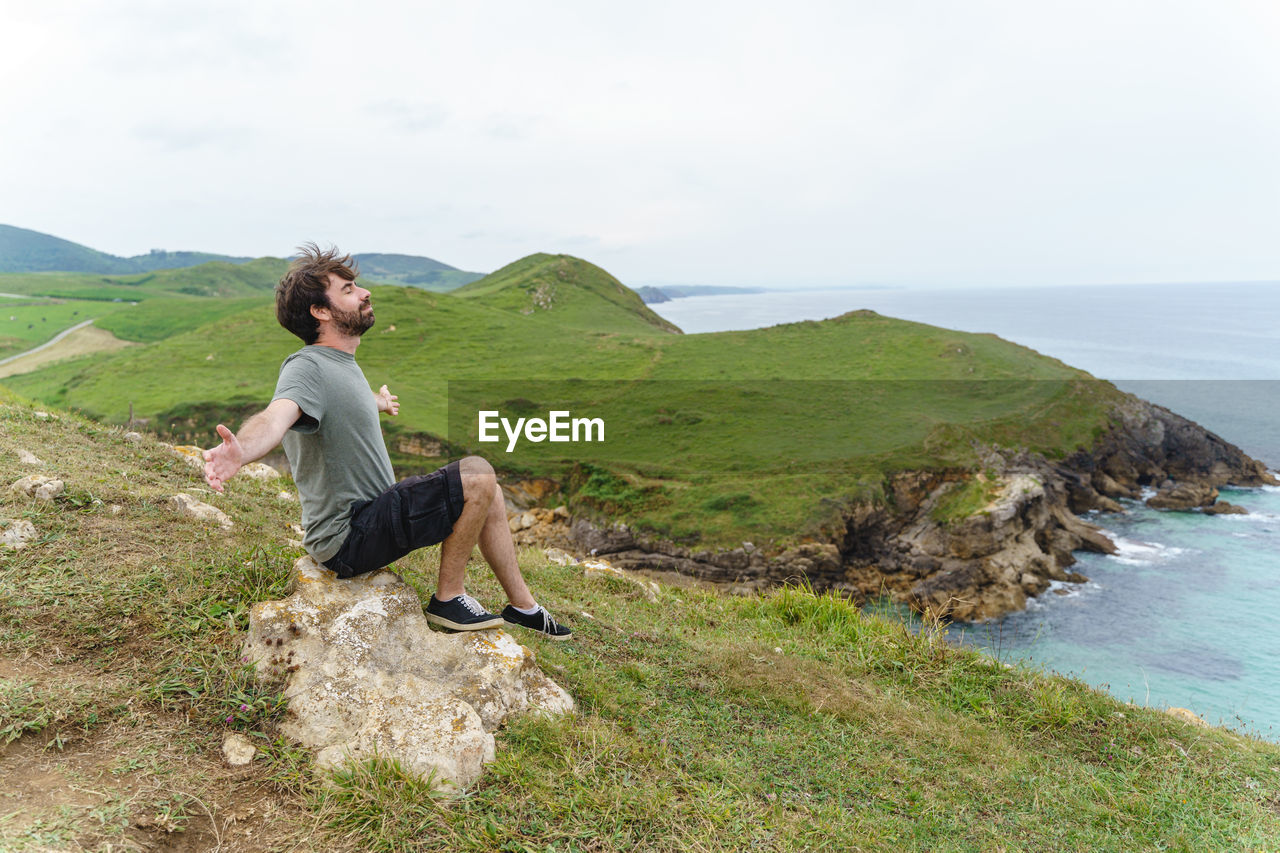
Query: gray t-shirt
<point x="335" y="449"/>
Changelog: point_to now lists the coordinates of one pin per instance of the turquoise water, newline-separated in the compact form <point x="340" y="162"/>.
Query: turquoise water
<point x="1186" y="614"/>
<point x="1183" y="615"/>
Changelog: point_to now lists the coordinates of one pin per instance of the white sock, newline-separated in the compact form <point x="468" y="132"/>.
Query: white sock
<point x="529" y="611"/>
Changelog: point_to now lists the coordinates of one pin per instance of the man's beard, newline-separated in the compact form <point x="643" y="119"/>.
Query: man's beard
<point x="352" y="323"/>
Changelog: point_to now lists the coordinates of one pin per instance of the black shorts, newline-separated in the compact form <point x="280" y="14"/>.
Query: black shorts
<point x="414" y="513"/>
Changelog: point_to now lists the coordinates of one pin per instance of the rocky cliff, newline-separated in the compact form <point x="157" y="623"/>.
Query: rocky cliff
<point x="986" y="563"/>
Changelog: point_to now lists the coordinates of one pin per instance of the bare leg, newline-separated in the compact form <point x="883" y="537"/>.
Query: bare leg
<point x="484" y="521"/>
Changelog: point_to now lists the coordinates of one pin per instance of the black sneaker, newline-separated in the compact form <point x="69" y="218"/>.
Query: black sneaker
<point x="463" y="613"/>
<point x="540" y="622"/>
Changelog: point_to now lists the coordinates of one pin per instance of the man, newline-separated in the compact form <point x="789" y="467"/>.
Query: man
<point x="357" y="518"/>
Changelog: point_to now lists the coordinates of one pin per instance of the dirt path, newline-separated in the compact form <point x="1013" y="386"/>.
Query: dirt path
<point x="80" y="339"/>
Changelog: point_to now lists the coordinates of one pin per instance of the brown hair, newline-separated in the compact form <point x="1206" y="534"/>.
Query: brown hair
<point x="304" y="285"/>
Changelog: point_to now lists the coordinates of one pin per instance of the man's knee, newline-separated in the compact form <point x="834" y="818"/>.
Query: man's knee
<point x="479" y="482"/>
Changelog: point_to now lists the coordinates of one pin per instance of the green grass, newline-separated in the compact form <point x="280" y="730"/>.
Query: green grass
<point x="787" y="721"/>
<point x="163" y="317"/>
<point x="28" y="323"/>
<point x="965" y="499"/>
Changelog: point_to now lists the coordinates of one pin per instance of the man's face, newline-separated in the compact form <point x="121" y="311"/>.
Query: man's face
<point x="349" y="306"/>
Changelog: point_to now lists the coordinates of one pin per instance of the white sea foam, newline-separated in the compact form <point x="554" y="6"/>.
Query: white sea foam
<point x="1252" y="516"/>
<point x="1068" y="590"/>
<point x="1131" y="552"/>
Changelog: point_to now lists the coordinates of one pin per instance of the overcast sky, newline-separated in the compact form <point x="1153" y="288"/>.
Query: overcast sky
<point x="816" y="143"/>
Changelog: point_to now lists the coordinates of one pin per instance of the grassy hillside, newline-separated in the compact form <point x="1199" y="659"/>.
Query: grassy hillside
<point x="213" y="279"/>
<point x="26" y="323"/>
<point x="139" y="308"/>
<point x="24" y="250"/>
<point x="761" y="435"/>
<point x="704" y="722"/>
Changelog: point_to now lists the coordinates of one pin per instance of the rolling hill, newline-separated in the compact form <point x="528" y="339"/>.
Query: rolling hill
<point x="24" y="250"/>
<point x="716" y="438"/>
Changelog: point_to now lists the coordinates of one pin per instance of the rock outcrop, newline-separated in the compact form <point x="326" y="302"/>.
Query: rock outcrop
<point x="539" y="526"/>
<point x="1151" y="447"/>
<point x="989" y="563"/>
<point x="365" y="674"/>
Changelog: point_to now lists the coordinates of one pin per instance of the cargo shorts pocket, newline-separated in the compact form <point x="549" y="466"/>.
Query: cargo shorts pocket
<point x="423" y="522"/>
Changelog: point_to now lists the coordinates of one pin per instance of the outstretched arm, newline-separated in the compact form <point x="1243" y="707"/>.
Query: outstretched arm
<point x="256" y="438"/>
<point x="387" y="402"/>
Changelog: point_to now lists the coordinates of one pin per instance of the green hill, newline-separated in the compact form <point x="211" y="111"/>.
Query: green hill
<point x="783" y="721"/>
<point x="566" y="291"/>
<point x="413" y="270"/>
<point x="24" y="250"/>
<point x="763" y="435"/>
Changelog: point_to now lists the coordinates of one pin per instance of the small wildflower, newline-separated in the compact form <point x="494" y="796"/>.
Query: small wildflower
<point x="244" y="707"/>
<point x="228" y="718"/>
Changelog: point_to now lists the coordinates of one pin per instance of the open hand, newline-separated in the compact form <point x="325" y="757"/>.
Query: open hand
<point x="387" y="402"/>
<point x="222" y="462"/>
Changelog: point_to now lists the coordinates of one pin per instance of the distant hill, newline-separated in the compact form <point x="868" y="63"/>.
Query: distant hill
<point x="413" y="270"/>
<point x="24" y="250"/>
<point x="652" y="295"/>
<point x="567" y="289"/>
<point x="667" y="292"/>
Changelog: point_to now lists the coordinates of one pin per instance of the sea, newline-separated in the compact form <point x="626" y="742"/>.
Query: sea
<point x="1187" y="612"/>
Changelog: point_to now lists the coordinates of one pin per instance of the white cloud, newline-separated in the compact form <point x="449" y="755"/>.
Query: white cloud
<point x="854" y="141"/>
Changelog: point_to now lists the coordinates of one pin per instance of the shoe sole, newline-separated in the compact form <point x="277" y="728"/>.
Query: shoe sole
<point x="495" y="622"/>
<point x="539" y="633"/>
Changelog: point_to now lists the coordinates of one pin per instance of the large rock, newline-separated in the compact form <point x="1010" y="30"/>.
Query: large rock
<point x="366" y="674"/>
<point x="1224" y="508"/>
<point x="1149" y="444"/>
<point x="1184" y="496"/>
